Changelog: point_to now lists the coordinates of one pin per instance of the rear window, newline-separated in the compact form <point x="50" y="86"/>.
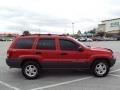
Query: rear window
<point x="24" y="43"/>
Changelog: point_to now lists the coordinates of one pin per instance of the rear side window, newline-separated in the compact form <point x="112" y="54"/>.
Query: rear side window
<point x="24" y="43"/>
<point x="46" y="44"/>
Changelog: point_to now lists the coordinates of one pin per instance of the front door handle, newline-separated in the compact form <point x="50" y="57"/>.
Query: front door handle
<point x="63" y="54"/>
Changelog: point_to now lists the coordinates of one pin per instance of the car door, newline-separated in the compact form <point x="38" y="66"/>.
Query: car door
<point x="70" y="56"/>
<point x="47" y="50"/>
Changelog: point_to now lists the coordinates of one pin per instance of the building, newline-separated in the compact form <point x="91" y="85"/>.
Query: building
<point x="101" y="28"/>
<point x="111" y="26"/>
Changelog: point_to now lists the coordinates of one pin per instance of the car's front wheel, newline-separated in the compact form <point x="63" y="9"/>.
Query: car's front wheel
<point x="100" y="68"/>
<point x="31" y="70"/>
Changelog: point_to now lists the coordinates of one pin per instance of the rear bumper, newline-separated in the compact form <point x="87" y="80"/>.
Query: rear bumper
<point x="112" y="62"/>
<point x="14" y="63"/>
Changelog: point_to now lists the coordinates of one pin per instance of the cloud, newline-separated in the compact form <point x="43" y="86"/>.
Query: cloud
<point x="115" y="14"/>
<point x="55" y="16"/>
<point x="114" y="2"/>
<point x="25" y="20"/>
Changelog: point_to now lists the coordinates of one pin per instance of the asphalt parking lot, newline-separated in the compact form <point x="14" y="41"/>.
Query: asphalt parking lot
<point x="12" y="79"/>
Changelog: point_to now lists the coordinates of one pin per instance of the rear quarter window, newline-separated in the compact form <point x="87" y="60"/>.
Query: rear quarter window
<point x="24" y="43"/>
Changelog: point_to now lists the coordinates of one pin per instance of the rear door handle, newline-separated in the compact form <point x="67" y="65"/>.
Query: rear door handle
<point x="38" y="53"/>
<point x="63" y="54"/>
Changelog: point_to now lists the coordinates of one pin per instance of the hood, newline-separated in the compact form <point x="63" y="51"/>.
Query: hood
<point x="101" y="49"/>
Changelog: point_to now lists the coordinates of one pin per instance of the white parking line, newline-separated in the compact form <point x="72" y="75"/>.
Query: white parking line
<point x="59" y="84"/>
<point x="115" y="70"/>
<point x="115" y="75"/>
<point x="9" y="86"/>
<point x="68" y="82"/>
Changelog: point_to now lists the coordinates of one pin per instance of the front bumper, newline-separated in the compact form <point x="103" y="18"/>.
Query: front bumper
<point x="112" y="62"/>
<point x="14" y="63"/>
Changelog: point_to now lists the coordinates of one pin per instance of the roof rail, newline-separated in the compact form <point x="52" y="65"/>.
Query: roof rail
<point x="42" y="34"/>
<point x="45" y="34"/>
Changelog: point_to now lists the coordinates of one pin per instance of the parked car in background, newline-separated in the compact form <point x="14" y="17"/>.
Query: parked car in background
<point x="85" y="39"/>
<point x="110" y="39"/>
<point x="8" y="37"/>
<point x="98" y="39"/>
<point x="89" y="40"/>
<point x="2" y="39"/>
<point x="118" y="37"/>
<point x="82" y="39"/>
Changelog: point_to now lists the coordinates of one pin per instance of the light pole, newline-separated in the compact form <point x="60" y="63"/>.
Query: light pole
<point x="73" y="28"/>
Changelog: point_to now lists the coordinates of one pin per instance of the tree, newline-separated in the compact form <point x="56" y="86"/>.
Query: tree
<point x="101" y="34"/>
<point x="92" y="31"/>
<point x="79" y="33"/>
<point x="26" y="33"/>
<point x="85" y="32"/>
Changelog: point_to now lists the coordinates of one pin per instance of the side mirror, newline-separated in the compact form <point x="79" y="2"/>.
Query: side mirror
<point x="80" y="49"/>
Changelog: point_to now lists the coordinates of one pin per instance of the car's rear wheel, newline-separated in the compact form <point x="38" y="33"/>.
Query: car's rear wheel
<point x="100" y="68"/>
<point x="31" y="70"/>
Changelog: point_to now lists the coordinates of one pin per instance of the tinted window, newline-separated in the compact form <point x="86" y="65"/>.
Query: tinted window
<point x="46" y="44"/>
<point x="68" y="45"/>
<point x="24" y="43"/>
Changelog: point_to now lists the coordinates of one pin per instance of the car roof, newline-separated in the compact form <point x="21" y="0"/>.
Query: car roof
<point x="44" y="36"/>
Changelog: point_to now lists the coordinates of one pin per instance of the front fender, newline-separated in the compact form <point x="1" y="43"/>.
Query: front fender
<point x="100" y="56"/>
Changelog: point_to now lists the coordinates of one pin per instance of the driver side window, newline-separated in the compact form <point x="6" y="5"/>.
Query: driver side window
<point x="68" y="45"/>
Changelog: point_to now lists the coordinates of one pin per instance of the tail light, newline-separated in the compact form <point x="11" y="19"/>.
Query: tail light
<point x="8" y="54"/>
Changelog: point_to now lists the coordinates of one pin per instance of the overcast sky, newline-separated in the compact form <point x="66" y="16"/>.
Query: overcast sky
<point x="55" y="16"/>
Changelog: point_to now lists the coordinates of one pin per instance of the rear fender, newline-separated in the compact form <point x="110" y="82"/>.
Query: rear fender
<point x="30" y="57"/>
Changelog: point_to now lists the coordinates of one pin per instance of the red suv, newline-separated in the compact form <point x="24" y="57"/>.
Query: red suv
<point x="35" y="52"/>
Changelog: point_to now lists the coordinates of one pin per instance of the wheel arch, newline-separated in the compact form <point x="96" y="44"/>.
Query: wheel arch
<point x="28" y="59"/>
<point x="100" y="59"/>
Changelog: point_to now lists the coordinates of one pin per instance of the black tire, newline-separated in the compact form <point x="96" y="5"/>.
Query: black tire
<point x="31" y="70"/>
<point x="100" y="68"/>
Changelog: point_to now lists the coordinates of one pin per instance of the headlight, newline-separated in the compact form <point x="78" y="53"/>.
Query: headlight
<point x="109" y="49"/>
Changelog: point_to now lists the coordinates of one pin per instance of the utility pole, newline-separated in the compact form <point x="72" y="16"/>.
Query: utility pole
<point x="73" y="28"/>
